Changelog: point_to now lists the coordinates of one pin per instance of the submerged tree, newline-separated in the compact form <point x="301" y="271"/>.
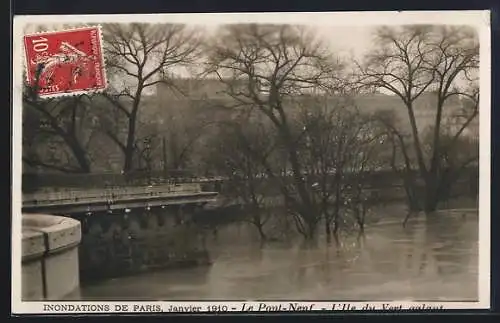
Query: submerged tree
<point x="235" y="154"/>
<point x="412" y="60"/>
<point x="264" y="68"/>
<point x="340" y="146"/>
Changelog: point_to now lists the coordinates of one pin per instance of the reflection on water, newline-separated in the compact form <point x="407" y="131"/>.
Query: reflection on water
<point x="430" y="259"/>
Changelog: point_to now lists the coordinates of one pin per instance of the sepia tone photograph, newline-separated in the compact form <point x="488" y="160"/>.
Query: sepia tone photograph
<point x="166" y="160"/>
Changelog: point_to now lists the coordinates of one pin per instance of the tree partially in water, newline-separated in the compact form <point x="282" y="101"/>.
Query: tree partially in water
<point x="412" y="60"/>
<point x="236" y="154"/>
<point x="263" y="68"/>
<point x="339" y="150"/>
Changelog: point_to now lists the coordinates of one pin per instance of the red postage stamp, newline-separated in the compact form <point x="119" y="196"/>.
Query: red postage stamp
<point x="65" y="62"/>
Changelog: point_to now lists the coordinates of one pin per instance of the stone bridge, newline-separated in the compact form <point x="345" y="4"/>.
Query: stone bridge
<point x="131" y="229"/>
<point x="126" y="229"/>
<point x="97" y="200"/>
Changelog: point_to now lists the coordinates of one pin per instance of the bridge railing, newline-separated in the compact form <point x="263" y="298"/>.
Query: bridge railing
<point x="110" y="194"/>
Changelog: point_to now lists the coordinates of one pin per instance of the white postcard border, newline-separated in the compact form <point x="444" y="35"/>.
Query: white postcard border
<point x="479" y="19"/>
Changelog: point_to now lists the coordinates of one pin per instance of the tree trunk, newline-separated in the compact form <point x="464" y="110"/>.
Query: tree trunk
<point x="311" y="231"/>
<point x="431" y="194"/>
<point x="260" y="229"/>
<point x="411" y="191"/>
<point x="80" y="154"/>
<point x="413" y="201"/>
<point x="336" y="214"/>
<point x="257" y="222"/>
<point x="431" y="204"/>
<point x="311" y="215"/>
<point x="215" y="232"/>
<point x="164" y="157"/>
<point x="361" y="227"/>
<point x="336" y="237"/>
<point x="407" y="217"/>
<point x="361" y="238"/>
<point x="362" y="219"/>
<point x="328" y="232"/>
<point x="336" y="224"/>
<point x="129" y="149"/>
<point x="310" y="240"/>
<point x="416" y="141"/>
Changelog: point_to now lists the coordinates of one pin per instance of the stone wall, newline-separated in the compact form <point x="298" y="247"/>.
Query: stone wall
<point x="49" y="256"/>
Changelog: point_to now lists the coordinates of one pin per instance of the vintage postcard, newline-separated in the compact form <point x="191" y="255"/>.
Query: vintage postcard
<point x="251" y="162"/>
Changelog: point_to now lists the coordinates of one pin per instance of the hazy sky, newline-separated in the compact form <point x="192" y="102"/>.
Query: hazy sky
<point x="346" y="32"/>
<point x="344" y="40"/>
<point x="347" y="40"/>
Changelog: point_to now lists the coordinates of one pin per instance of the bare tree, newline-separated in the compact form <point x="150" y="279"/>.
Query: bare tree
<point x="263" y="68"/>
<point x="340" y="145"/>
<point x="235" y="158"/>
<point x="400" y="159"/>
<point x="325" y="136"/>
<point x="412" y="60"/>
<point x="142" y="55"/>
<point x="455" y="159"/>
<point x="363" y="162"/>
<point x="57" y="132"/>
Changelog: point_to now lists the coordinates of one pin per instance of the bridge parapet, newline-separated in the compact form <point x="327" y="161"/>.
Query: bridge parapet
<point x="50" y="268"/>
<point x="77" y="201"/>
<point x="110" y="193"/>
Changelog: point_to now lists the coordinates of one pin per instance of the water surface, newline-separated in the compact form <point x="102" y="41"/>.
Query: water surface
<point x="428" y="260"/>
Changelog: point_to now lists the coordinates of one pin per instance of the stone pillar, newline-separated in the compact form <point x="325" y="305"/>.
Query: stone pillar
<point x="50" y="269"/>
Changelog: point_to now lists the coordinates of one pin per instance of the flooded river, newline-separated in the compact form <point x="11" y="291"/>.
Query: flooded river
<point x="426" y="260"/>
